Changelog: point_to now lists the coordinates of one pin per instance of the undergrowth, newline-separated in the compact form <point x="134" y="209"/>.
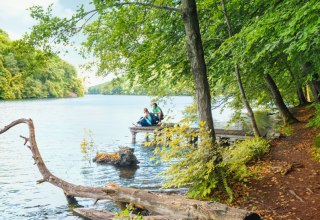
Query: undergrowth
<point x="203" y="167"/>
<point x="315" y="122"/>
<point x="238" y="156"/>
<point x="316" y="148"/>
<point x="285" y="130"/>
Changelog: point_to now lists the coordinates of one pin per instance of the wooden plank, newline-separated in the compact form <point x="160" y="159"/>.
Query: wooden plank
<point x="221" y="133"/>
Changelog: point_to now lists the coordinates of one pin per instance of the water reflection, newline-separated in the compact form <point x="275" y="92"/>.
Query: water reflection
<point x="127" y="172"/>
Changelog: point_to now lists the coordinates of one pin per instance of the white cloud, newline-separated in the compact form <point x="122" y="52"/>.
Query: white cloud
<point x="15" y="17"/>
<point x="14" y="6"/>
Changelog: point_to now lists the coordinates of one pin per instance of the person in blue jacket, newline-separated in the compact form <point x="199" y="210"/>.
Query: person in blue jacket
<point x="146" y="120"/>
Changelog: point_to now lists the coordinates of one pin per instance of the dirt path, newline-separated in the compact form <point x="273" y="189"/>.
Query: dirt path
<point x="290" y="186"/>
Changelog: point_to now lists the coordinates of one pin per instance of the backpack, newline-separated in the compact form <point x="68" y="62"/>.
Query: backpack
<point x="154" y="119"/>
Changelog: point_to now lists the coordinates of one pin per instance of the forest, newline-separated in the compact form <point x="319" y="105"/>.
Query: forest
<point x="122" y="86"/>
<point x="255" y="54"/>
<point x="29" y="73"/>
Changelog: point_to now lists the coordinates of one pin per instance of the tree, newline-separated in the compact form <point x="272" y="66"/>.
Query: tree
<point x="198" y="65"/>
<point x="238" y="75"/>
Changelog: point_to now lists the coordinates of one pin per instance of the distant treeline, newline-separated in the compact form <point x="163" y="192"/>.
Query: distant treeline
<point x="29" y="73"/>
<point x="122" y="86"/>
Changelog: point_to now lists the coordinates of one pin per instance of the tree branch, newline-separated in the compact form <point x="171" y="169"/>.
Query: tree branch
<point x="149" y="5"/>
<point x="87" y="20"/>
<point x="12" y="124"/>
<point x="25" y="139"/>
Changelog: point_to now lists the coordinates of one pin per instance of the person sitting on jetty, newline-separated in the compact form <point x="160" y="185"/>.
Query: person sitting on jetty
<point x="157" y="112"/>
<point x="146" y="120"/>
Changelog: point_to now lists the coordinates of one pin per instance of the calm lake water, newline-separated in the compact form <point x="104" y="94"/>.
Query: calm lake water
<point x="60" y="125"/>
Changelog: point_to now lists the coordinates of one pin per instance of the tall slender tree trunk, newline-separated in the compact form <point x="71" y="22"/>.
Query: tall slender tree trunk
<point x="239" y="81"/>
<point x="198" y="65"/>
<point x="286" y="115"/>
<point x="301" y="97"/>
<point x="314" y="83"/>
<point x="315" y="88"/>
<point x="307" y="92"/>
<point x="246" y="103"/>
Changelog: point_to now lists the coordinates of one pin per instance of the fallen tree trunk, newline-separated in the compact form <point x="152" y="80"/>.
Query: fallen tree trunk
<point x="157" y="205"/>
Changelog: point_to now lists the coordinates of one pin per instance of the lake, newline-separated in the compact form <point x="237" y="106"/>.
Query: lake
<point x="59" y="127"/>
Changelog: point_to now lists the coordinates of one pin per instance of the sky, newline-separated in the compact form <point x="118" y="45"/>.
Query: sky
<point x="15" y="20"/>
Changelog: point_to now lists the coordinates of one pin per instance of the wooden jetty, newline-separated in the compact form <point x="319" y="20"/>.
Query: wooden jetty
<point x="221" y="134"/>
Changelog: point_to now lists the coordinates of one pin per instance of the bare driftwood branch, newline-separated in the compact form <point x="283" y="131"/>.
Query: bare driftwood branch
<point x="25" y="139"/>
<point x="159" y="205"/>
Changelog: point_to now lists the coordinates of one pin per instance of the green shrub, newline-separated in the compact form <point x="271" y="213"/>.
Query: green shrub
<point x="193" y="165"/>
<point x="286" y="130"/>
<point x="315" y="151"/>
<point x="202" y="167"/>
<point x="316" y="142"/>
<point x="237" y="156"/>
<point x="315" y="120"/>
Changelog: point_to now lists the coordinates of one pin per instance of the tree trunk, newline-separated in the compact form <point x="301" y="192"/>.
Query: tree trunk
<point x="239" y="81"/>
<point x="168" y="206"/>
<point x="315" y="88"/>
<point x="301" y="97"/>
<point x="286" y="115"/>
<point x="198" y="65"/>
<point x="307" y="92"/>
<point x="314" y="83"/>
<point x="246" y="103"/>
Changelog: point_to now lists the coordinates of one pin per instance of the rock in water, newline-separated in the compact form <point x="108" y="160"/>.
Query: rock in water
<point x="123" y="158"/>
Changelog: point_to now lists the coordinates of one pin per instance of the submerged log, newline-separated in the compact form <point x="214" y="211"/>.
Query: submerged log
<point x="166" y="206"/>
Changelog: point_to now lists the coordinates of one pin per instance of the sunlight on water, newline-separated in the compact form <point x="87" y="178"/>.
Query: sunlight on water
<point x="60" y="125"/>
